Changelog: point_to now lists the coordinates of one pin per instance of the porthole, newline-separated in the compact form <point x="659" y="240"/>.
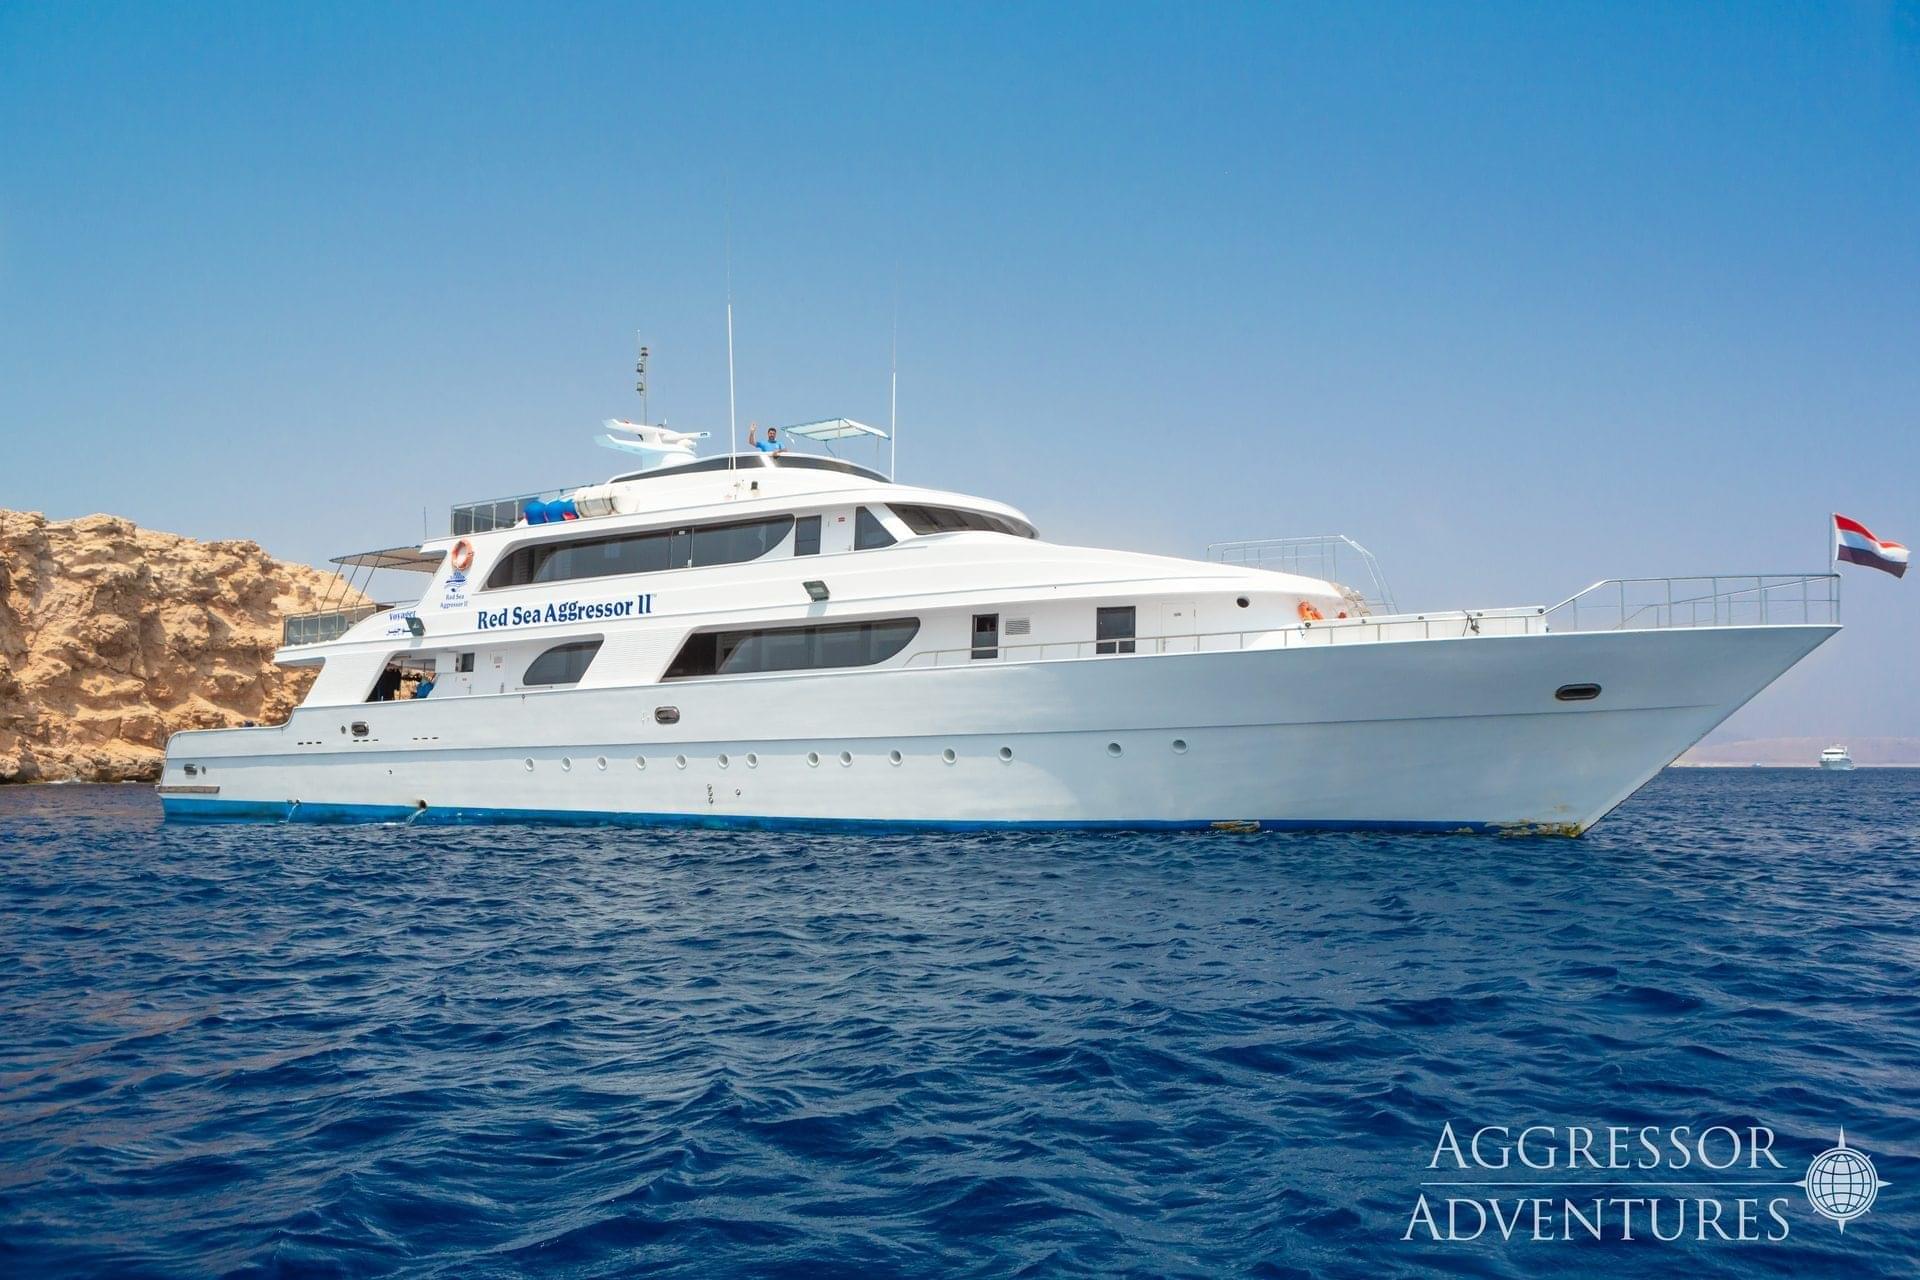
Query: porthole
<point x="893" y="757"/>
<point x="528" y="762"/>
<point x="948" y="755"/>
<point x="1179" y="746"/>
<point x="601" y="764"/>
<point x="1243" y="602"/>
<point x="846" y="758"/>
<point x="753" y="761"/>
<point x="813" y="759"/>
<point x="1006" y="754"/>
<point x="566" y="764"/>
<point x="1577" y="692"/>
<point x="639" y="762"/>
<point x="722" y="760"/>
<point x="680" y="762"/>
<point x="1113" y="749"/>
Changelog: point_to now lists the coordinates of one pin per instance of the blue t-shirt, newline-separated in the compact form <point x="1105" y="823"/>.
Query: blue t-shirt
<point x="770" y="446"/>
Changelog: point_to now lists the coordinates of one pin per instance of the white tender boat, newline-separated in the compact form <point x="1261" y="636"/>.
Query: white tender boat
<point x="791" y="639"/>
<point x="1835" y="758"/>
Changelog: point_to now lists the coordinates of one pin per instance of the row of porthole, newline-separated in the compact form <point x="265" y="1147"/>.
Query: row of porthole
<point x="752" y="760"/>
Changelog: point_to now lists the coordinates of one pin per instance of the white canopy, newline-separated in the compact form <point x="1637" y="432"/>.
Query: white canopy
<point x="834" y="429"/>
<point x="411" y="559"/>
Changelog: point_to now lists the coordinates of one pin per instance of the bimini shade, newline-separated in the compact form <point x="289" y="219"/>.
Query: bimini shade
<point x="833" y="429"/>
<point x="410" y="559"/>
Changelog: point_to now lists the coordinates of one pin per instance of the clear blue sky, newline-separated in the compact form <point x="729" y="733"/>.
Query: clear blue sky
<point x="1521" y="296"/>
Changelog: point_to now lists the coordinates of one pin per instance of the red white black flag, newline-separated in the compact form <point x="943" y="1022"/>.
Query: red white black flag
<point x="1855" y="544"/>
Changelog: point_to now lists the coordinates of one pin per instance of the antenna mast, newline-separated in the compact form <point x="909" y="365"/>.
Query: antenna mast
<point x="640" y="379"/>
<point x="733" y="430"/>
<point x="733" y="425"/>
<point x="893" y="402"/>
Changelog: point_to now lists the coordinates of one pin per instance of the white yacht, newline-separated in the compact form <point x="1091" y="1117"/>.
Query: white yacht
<point x="791" y="639"/>
<point x="1836" y="758"/>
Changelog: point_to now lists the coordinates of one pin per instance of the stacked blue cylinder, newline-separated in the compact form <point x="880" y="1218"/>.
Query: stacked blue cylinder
<point x="552" y="512"/>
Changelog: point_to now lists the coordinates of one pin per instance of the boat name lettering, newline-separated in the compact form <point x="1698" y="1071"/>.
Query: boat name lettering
<point x="527" y="615"/>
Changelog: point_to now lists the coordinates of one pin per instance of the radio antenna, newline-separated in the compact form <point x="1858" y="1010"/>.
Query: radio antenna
<point x="640" y="378"/>
<point x="733" y="429"/>
<point x="893" y="401"/>
<point x="733" y="425"/>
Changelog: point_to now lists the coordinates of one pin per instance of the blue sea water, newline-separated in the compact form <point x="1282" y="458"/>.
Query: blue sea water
<point x="265" y="1050"/>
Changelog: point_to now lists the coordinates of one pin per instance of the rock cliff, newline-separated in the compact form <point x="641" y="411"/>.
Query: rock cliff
<point x="112" y="637"/>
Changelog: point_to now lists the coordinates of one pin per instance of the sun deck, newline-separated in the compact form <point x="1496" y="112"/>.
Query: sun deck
<point x="489" y="514"/>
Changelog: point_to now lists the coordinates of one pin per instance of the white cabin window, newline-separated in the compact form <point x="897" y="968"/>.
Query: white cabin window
<point x="837" y="644"/>
<point x="924" y="519"/>
<point x="868" y="533"/>
<point x="562" y="664"/>
<point x="806" y="536"/>
<point x="649" y="551"/>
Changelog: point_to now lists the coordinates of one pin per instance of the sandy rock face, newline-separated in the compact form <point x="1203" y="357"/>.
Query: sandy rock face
<point x="112" y="637"/>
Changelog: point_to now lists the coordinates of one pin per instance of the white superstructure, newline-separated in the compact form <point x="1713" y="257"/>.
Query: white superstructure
<point x="1835" y="758"/>
<point x="791" y="639"/>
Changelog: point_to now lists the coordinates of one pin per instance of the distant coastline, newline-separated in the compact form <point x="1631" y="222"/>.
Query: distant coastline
<point x="1684" y="763"/>
<point x="1802" y="753"/>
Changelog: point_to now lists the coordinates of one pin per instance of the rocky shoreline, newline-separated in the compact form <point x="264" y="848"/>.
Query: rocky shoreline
<point x="112" y="637"/>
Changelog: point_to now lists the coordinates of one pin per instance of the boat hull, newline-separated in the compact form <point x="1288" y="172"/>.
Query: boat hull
<point x="1452" y="734"/>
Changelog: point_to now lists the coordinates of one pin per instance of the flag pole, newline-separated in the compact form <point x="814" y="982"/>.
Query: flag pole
<point x="1833" y="563"/>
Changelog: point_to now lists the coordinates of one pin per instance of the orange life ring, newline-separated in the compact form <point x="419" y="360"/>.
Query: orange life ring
<point x="462" y="555"/>
<point x="1308" y="613"/>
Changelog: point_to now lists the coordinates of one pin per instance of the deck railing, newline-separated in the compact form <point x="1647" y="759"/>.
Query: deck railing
<point x="496" y="513"/>
<point x="1330" y="557"/>
<point x="1723" y="600"/>
<point x="325" y="625"/>
<point x="1426" y="626"/>
<point x="1617" y="604"/>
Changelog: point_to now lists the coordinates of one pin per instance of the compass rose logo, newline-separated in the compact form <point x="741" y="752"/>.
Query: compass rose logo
<point x="1841" y="1183"/>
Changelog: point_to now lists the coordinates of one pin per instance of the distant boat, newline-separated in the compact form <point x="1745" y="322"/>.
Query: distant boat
<point x="1835" y="758"/>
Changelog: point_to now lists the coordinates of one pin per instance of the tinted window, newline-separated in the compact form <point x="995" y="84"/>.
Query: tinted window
<point x="813" y="462"/>
<point x="923" y="520"/>
<point x="562" y="664"/>
<point x="806" y="536"/>
<point x="1113" y="630"/>
<point x="737" y="543"/>
<point x="869" y="533"/>
<point x="742" y="461"/>
<point x="724" y="462"/>
<point x="564" y="559"/>
<point x="840" y="644"/>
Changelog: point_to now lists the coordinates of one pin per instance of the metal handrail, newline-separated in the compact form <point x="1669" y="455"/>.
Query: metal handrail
<point x="497" y="513"/>
<point x="1703" y="600"/>
<point x="325" y="624"/>
<point x="1458" y="624"/>
<point x="1728" y="600"/>
<point x="1318" y="556"/>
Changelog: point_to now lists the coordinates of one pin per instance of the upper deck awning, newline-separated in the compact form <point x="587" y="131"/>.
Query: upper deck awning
<point x="834" y="429"/>
<point x="409" y="559"/>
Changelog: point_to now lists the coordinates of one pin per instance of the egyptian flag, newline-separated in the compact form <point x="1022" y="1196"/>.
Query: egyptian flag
<point x="1855" y="544"/>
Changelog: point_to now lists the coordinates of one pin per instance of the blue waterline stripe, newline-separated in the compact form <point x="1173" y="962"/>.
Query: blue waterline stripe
<point x="206" y="809"/>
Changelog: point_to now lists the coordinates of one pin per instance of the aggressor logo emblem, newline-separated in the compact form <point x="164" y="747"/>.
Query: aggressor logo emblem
<point x="1841" y="1183"/>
